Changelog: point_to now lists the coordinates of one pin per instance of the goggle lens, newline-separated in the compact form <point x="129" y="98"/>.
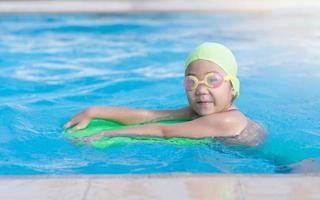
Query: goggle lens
<point x="190" y="82"/>
<point x="211" y="80"/>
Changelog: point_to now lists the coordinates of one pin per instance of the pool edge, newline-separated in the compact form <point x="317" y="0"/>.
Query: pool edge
<point x="162" y="186"/>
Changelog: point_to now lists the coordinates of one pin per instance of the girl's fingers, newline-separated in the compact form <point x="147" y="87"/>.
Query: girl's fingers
<point x="72" y="129"/>
<point x="81" y="125"/>
<point x="93" y="138"/>
<point x="88" y="139"/>
<point x="71" y="122"/>
<point x="74" y="120"/>
<point x="67" y="125"/>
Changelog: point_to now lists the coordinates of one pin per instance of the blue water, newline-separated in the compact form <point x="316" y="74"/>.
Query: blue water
<point x="52" y="66"/>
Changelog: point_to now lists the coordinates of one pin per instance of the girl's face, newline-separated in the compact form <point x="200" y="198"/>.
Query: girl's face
<point x="207" y="100"/>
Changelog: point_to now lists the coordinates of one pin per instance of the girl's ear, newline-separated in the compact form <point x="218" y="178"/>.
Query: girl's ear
<point x="233" y="92"/>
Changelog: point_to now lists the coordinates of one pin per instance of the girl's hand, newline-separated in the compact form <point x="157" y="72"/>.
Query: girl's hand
<point x="91" y="138"/>
<point x="80" y="120"/>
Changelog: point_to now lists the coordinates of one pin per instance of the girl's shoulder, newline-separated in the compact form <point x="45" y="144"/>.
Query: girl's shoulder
<point x="253" y="134"/>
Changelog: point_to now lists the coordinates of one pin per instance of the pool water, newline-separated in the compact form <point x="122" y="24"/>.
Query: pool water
<point x="52" y="66"/>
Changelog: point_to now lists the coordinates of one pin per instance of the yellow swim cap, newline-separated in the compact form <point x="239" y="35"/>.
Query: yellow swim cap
<point x="220" y="55"/>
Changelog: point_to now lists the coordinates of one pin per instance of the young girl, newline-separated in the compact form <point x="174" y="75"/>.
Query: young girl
<point x="211" y="86"/>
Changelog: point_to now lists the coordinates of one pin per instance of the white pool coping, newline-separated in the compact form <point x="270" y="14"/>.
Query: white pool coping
<point x="108" y="6"/>
<point x="162" y="186"/>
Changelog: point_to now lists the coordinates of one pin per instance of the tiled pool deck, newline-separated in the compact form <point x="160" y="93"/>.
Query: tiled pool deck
<point x="161" y="186"/>
<point x="168" y="186"/>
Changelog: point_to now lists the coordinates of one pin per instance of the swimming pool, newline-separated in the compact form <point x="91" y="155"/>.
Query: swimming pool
<point x="53" y="66"/>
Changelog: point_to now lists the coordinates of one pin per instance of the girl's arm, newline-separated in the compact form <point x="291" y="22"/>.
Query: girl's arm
<point x="215" y="125"/>
<point x="126" y="115"/>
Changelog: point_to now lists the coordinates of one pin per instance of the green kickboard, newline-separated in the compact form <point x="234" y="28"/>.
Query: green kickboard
<point x="98" y="125"/>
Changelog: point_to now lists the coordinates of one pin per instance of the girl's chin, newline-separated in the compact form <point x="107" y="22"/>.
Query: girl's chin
<point x="203" y="112"/>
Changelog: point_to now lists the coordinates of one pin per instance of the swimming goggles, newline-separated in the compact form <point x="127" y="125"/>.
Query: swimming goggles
<point x="211" y="80"/>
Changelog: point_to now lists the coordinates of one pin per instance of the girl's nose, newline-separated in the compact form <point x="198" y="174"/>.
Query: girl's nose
<point x="201" y="89"/>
